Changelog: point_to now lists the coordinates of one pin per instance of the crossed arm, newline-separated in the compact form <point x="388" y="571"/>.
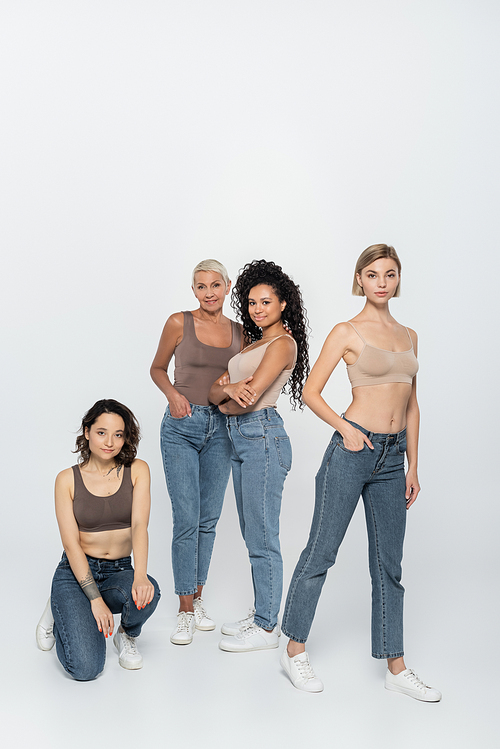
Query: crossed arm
<point x="234" y="398"/>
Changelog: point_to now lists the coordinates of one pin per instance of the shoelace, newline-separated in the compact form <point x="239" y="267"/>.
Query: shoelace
<point x="248" y="631"/>
<point x="129" y="644"/>
<point x="305" y="669"/>
<point x="248" y="619"/>
<point x="182" y="622"/>
<point x="416" y="681"/>
<point x="199" y="608"/>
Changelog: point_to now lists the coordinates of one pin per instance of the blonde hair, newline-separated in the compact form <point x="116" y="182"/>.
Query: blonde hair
<point x="367" y="257"/>
<point x="211" y="265"/>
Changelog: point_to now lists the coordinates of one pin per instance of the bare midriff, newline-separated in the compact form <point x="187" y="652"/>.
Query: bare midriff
<point x="107" y="544"/>
<point x="380" y="408"/>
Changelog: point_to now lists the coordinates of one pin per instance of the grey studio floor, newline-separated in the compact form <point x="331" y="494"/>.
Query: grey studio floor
<point x="199" y="696"/>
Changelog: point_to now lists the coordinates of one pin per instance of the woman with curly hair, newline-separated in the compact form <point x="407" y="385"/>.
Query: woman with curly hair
<point x="102" y="508"/>
<point x="275" y="360"/>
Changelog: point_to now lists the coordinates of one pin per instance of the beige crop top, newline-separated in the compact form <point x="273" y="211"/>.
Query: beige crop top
<point x="94" y="513"/>
<point x="198" y="365"/>
<point x="376" y="366"/>
<point x="247" y="361"/>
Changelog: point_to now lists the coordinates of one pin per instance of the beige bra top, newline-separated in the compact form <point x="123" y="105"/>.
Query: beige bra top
<point x="245" y="364"/>
<point x="376" y="366"/>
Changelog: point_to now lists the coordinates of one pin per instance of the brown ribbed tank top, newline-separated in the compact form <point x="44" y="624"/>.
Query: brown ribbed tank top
<point x="94" y="513"/>
<point x="198" y="365"/>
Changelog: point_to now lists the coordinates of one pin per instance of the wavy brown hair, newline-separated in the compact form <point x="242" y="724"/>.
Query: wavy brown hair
<point x="131" y="432"/>
<point x="294" y="316"/>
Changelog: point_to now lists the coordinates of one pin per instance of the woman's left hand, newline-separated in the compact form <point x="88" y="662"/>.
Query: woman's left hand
<point x="412" y="488"/>
<point x="142" y="591"/>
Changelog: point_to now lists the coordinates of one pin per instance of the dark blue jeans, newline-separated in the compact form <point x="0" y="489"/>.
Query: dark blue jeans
<point x="80" y="646"/>
<point x="378" y="476"/>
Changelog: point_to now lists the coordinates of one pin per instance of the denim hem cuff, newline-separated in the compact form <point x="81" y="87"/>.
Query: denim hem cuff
<point x="293" y="637"/>
<point x="186" y="592"/>
<point x="263" y="624"/>
<point x="131" y="634"/>
<point x="388" y="655"/>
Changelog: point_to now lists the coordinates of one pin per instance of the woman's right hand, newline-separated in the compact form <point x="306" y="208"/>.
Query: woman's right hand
<point x="179" y="406"/>
<point x="103" y="616"/>
<point x="354" y="440"/>
<point x="241" y="392"/>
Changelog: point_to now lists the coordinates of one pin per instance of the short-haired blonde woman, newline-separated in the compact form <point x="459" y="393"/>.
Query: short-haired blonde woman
<point x="365" y="457"/>
<point x="194" y="441"/>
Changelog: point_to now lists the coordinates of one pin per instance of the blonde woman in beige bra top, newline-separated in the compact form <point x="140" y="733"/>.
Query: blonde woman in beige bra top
<point x="366" y="456"/>
<point x="270" y="306"/>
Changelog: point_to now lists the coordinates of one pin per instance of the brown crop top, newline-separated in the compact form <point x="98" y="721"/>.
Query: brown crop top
<point x="376" y="366"/>
<point x="94" y="513"/>
<point x="198" y="365"/>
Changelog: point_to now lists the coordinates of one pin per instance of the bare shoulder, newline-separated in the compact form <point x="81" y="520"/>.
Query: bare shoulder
<point x="65" y="483"/>
<point x="413" y="336"/>
<point x="176" y="320"/>
<point x="65" y="477"/>
<point x="342" y="332"/>
<point x="139" y="470"/>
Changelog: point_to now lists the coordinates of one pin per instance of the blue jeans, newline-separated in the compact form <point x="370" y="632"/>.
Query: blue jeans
<point x="262" y="457"/>
<point x="196" y="455"/>
<point x="80" y="647"/>
<point x="378" y="475"/>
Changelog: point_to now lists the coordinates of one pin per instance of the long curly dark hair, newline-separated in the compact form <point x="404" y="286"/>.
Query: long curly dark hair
<point x="131" y="433"/>
<point x="294" y="316"/>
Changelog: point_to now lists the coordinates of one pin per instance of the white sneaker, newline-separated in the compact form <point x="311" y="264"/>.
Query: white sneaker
<point x="300" y="672"/>
<point x="202" y="619"/>
<point x="45" y="629"/>
<point x="128" y="655"/>
<point x="232" y="628"/>
<point x="407" y="682"/>
<point x="252" y="637"/>
<point x="186" y="625"/>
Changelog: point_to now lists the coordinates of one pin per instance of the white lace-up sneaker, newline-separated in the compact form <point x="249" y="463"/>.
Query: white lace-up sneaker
<point x="45" y="629"/>
<point x="250" y="638"/>
<point x="300" y="672"/>
<point x="407" y="682"/>
<point x="128" y="655"/>
<point x="202" y="619"/>
<point x="184" y="631"/>
<point x="232" y="628"/>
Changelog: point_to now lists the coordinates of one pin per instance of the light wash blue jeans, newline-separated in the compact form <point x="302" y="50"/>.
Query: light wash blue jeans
<point x="378" y="475"/>
<point x="262" y="457"/>
<point x="80" y="647"/>
<point x="196" y="455"/>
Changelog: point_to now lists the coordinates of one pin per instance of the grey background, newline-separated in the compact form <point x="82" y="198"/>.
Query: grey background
<point x="137" y="139"/>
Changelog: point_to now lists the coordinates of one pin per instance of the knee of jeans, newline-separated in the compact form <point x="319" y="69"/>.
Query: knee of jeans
<point x="157" y="593"/>
<point x="85" y="669"/>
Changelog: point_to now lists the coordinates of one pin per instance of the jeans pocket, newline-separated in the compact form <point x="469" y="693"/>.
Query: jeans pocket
<point x="251" y="430"/>
<point x="401" y="445"/>
<point x="284" y="451"/>
<point x="350" y="452"/>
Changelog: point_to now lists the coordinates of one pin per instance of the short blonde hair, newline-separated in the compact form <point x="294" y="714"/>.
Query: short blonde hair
<point x="211" y="265"/>
<point x="367" y="257"/>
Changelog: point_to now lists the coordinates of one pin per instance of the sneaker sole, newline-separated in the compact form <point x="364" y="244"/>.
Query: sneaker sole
<point x="181" y="642"/>
<point x="205" y="628"/>
<point x="228" y="649"/>
<point x="409" y="693"/>
<point x="129" y="666"/>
